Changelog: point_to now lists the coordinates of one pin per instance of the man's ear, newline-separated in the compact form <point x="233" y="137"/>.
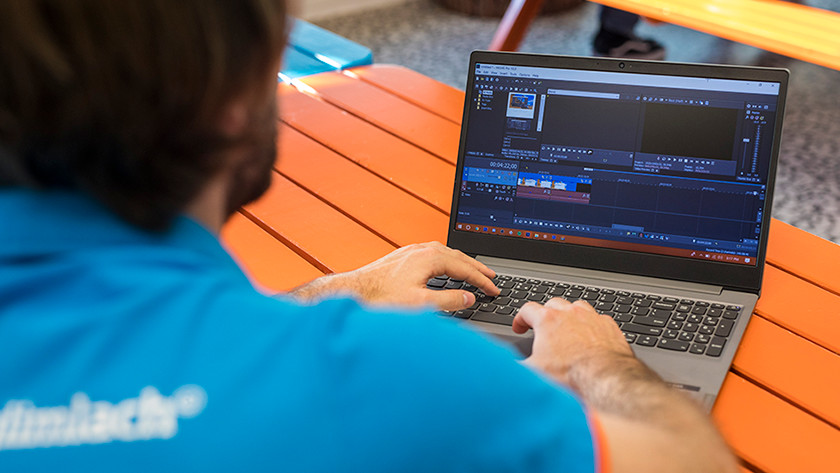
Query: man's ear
<point x="234" y="118"/>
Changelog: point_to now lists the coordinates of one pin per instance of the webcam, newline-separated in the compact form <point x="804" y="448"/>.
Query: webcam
<point x="621" y="65"/>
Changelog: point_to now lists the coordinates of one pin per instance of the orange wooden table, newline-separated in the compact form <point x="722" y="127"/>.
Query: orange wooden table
<point x="367" y="164"/>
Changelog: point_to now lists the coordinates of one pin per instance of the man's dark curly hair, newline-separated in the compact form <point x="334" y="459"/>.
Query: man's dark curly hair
<point x="121" y="100"/>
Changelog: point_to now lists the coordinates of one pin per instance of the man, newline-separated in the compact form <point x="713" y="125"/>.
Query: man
<point x="616" y="37"/>
<point x="130" y="341"/>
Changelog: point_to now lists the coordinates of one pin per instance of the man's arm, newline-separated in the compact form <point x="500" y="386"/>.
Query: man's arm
<point x="399" y="278"/>
<point x="649" y="426"/>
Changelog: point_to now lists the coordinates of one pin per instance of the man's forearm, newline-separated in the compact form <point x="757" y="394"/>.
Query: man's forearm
<point x="621" y="385"/>
<point x="331" y="285"/>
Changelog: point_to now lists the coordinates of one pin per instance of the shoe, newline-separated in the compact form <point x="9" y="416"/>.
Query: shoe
<point x="608" y="44"/>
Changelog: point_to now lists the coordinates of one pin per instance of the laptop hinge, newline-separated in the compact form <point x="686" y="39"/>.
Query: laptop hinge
<point x="551" y="271"/>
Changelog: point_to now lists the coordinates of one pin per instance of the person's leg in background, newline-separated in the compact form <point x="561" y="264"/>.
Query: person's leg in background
<point x="616" y="38"/>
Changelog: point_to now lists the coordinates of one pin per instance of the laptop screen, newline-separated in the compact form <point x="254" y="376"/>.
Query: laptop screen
<point x="668" y="165"/>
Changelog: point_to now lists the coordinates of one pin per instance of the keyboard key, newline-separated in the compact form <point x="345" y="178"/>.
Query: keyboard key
<point x="701" y="304"/>
<point x="623" y="293"/>
<point x="724" y="328"/>
<point x="642" y="303"/>
<point x="541" y="289"/>
<point x="706" y="330"/>
<point x="603" y="306"/>
<point x="487" y="307"/>
<point x="607" y="298"/>
<point x="690" y="327"/>
<point x="630" y="337"/>
<point x="493" y="318"/>
<point x="446" y="313"/>
<point x="730" y="314"/>
<point x="504" y="277"/>
<point x="573" y="294"/>
<point x="625" y="300"/>
<point x="661" y="314"/>
<point x="435" y="283"/>
<point x="607" y="291"/>
<point x="683" y="308"/>
<point x="623" y="308"/>
<point x="453" y="285"/>
<point x="654" y="297"/>
<point x="524" y="286"/>
<point x="502" y="300"/>
<point x="535" y="297"/>
<point x="695" y="319"/>
<point x="710" y="321"/>
<point x="464" y="313"/>
<point x="714" y="312"/>
<point x="649" y="321"/>
<point x="517" y="303"/>
<point x="687" y="301"/>
<point x="675" y="325"/>
<point x="718" y="306"/>
<point x="506" y="285"/>
<point x="622" y="317"/>
<point x="590" y="296"/>
<point x="697" y="349"/>
<point x="646" y="341"/>
<point x="518" y="279"/>
<point x="637" y="295"/>
<point x="640" y="311"/>
<point x="641" y="329"/>
<point x="716" y="346"/>
<point x="534" y="281"/>
<point x="483" y="298"/>
<point x="676" y="345"/>
<point x="505" y="292"/>
<point x="686" y="336"/>
<point x="519" y="294"/>
<point x="505" y="310"/>
<point x="668" y="333"/>
<point x="679" y="316"/>
<point x="556" y="292"/>
<point x="736" y="308"/>
<point x="672" y="300"/>
<point x="702" y="338"/>
<point x="593" y="289"/>
<point x="664" y="306"/>
<point x="578" y="287"/>
<point x="698" y="310"/>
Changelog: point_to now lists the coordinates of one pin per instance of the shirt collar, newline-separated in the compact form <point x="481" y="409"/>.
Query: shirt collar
<point x="39" y="223"/>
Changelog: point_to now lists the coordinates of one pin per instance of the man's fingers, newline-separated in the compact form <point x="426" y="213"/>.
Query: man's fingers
<point x="450" y="299"/>
<point x="458" y="269"/>
<point x="529" y="316"/>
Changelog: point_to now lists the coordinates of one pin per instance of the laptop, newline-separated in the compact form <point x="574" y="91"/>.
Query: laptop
<point x="642" y="187"/>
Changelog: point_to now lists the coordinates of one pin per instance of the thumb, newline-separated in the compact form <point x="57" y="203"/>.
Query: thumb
<point x="451" y="299"/>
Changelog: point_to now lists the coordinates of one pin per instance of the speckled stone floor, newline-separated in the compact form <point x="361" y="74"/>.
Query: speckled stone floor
<point x="437" y="42"/>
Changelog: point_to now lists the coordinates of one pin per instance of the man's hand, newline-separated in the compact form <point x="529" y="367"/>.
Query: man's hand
<point x="640" y="415"/>
<point x="565" y="333"/>
<point x="400" y="278"/>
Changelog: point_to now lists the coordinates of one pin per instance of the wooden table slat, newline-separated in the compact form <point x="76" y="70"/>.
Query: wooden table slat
<point x="431" y="132"/>
<point x="416" y="88"/>
<point x="806" y="255"/>
<point x="801" y="307"/>
<point x="771" y="434"/>
<point x="315" y="228"/>
<point x="797" y="369"/>
<point x="268" y="262"/>
<point x="407" y="166"/>
<point x="395" y="214"/>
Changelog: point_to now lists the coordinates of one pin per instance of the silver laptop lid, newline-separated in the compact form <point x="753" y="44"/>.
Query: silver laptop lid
<point x="649" y="168"/>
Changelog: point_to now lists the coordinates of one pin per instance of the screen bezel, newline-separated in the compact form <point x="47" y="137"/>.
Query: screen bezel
<point x="728" y="275"/>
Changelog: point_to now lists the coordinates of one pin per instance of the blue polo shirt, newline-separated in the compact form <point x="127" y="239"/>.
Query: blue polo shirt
<point x="122" y="350"/>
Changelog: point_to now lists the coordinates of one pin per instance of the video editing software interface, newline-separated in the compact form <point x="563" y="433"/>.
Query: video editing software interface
<point x="660" y="164"/>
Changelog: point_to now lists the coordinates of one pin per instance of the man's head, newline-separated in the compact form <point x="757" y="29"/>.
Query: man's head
<point x="139" y="103"/>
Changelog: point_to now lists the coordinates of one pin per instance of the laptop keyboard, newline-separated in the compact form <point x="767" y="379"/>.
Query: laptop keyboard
<point x="650" y="320"/>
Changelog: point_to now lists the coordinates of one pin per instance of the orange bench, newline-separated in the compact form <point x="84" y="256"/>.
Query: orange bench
<point x="799" y="31"/>
<point x="366" y="164"/>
